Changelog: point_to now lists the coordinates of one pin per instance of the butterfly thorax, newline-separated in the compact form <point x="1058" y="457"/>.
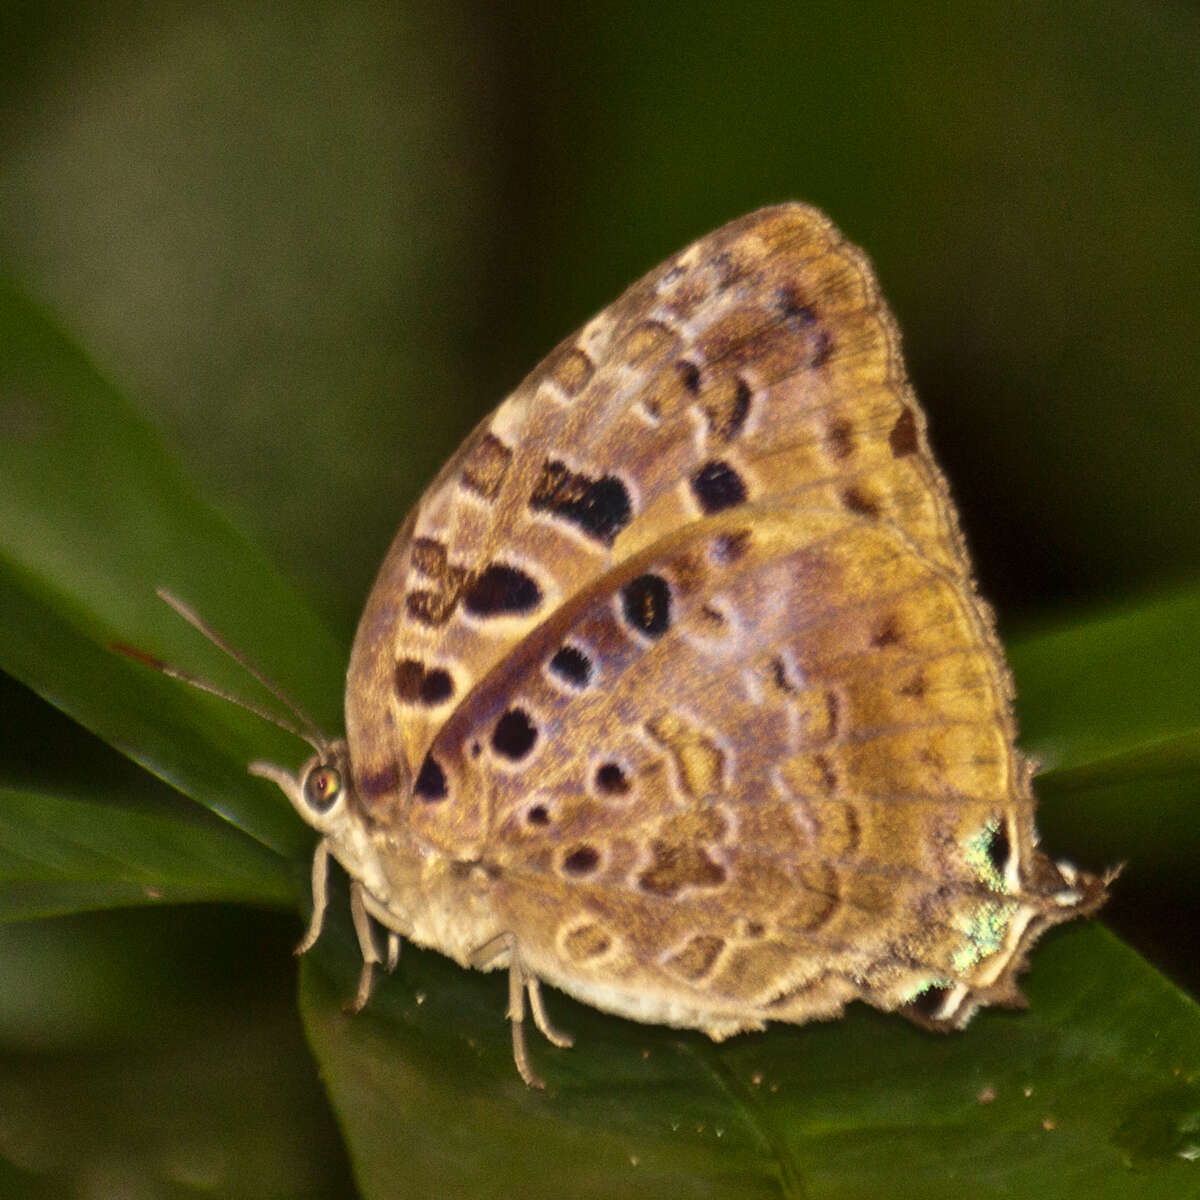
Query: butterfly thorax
<point x="430" y="898"/>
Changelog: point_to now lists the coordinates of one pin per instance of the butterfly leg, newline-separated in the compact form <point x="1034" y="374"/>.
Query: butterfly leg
<point x="556" y="1037"/>
<point x="366" y="943"/>
<point x="393" y="950"/>
<point x="516" y="1017"/>
<point x="520" y="981"/>
<point x="320" y="876"/>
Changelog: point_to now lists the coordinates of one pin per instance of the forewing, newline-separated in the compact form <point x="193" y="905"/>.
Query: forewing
<point x="758" y="365"/>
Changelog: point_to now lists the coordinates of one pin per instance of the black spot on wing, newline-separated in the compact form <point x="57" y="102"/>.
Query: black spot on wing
<point x="903" y="436"/>
<point x="646" y="604"/>
<point x="859" y="500"/>
<point x="572" y="666"/>
<point x="717" y="486"/>
<point x="583" y="860"/>
<point x="999" y="849"/>
<point x="417" y="684"/>
<point x="689" y="373"/>
<point x="600" y="507"/>
<point x="501" y="590"/>
<point x="611" y="779"/>
<point x="515" y="735"/>
<point x="430" y="785"/>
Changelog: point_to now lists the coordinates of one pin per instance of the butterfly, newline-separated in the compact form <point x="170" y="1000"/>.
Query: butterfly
<point x="674" y="690"/>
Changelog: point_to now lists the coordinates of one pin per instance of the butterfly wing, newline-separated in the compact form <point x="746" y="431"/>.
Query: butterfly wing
<point x="683" y="649"/>
<point x="762" y="767"/>
<point x="760" y="362"/>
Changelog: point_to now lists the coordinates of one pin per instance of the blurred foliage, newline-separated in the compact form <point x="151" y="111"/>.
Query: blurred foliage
<point x="303" y="256"/>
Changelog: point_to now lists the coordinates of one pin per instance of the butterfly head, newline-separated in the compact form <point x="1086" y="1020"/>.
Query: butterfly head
<point x="322" y="792"/>
<point x="325" y="795"/>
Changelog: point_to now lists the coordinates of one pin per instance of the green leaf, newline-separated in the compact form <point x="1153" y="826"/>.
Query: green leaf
<point x="94" y="516"/>
<point x="1111" y="707"/>
<point x="1102" y="1073"/>
<point x="157" y="1053"/>
<point x="61" y="855"/>
<point x="1114" y="697"/>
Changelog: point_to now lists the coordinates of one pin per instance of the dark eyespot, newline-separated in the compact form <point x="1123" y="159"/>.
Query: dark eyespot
<point x="840" y="438"/>
<point x="903" y="437"/>
<point x="646" y="603"/>
<point x="572" y="666"/>
<point x="431" y="781"/>
<point x="322" y="787"/>
<point x="612" y="780"/>
<point x="501" y="590"/>
<point x="690" y="374"/>
<point x="436" y="686"/>
<point x="859" y="501"/>
<point x="514" y="735"/>
<point x="999" y="849"/>
<point x="601" y="507"/>
<point x="415" y="684"/>
<point x="603" y="510"/>
<point x="717" y="486"/>
<point x="539" y="814"/>
<point x="583" y="860"/>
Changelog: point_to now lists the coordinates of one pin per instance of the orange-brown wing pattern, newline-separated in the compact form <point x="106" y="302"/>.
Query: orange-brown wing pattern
<point x="760" y="362"/>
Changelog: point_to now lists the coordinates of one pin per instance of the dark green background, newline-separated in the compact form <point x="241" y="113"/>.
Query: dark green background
<point x="311" y="244"/>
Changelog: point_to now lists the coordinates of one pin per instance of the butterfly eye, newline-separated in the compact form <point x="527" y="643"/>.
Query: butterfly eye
<point x="322" y="787"/>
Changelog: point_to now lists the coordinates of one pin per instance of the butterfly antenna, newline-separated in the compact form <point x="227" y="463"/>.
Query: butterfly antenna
<point x="305" y="728"/>
<point x="201" y="685"/>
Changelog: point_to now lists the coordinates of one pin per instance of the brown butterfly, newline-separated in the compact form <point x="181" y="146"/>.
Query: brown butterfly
<point x="674" y="690"/>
